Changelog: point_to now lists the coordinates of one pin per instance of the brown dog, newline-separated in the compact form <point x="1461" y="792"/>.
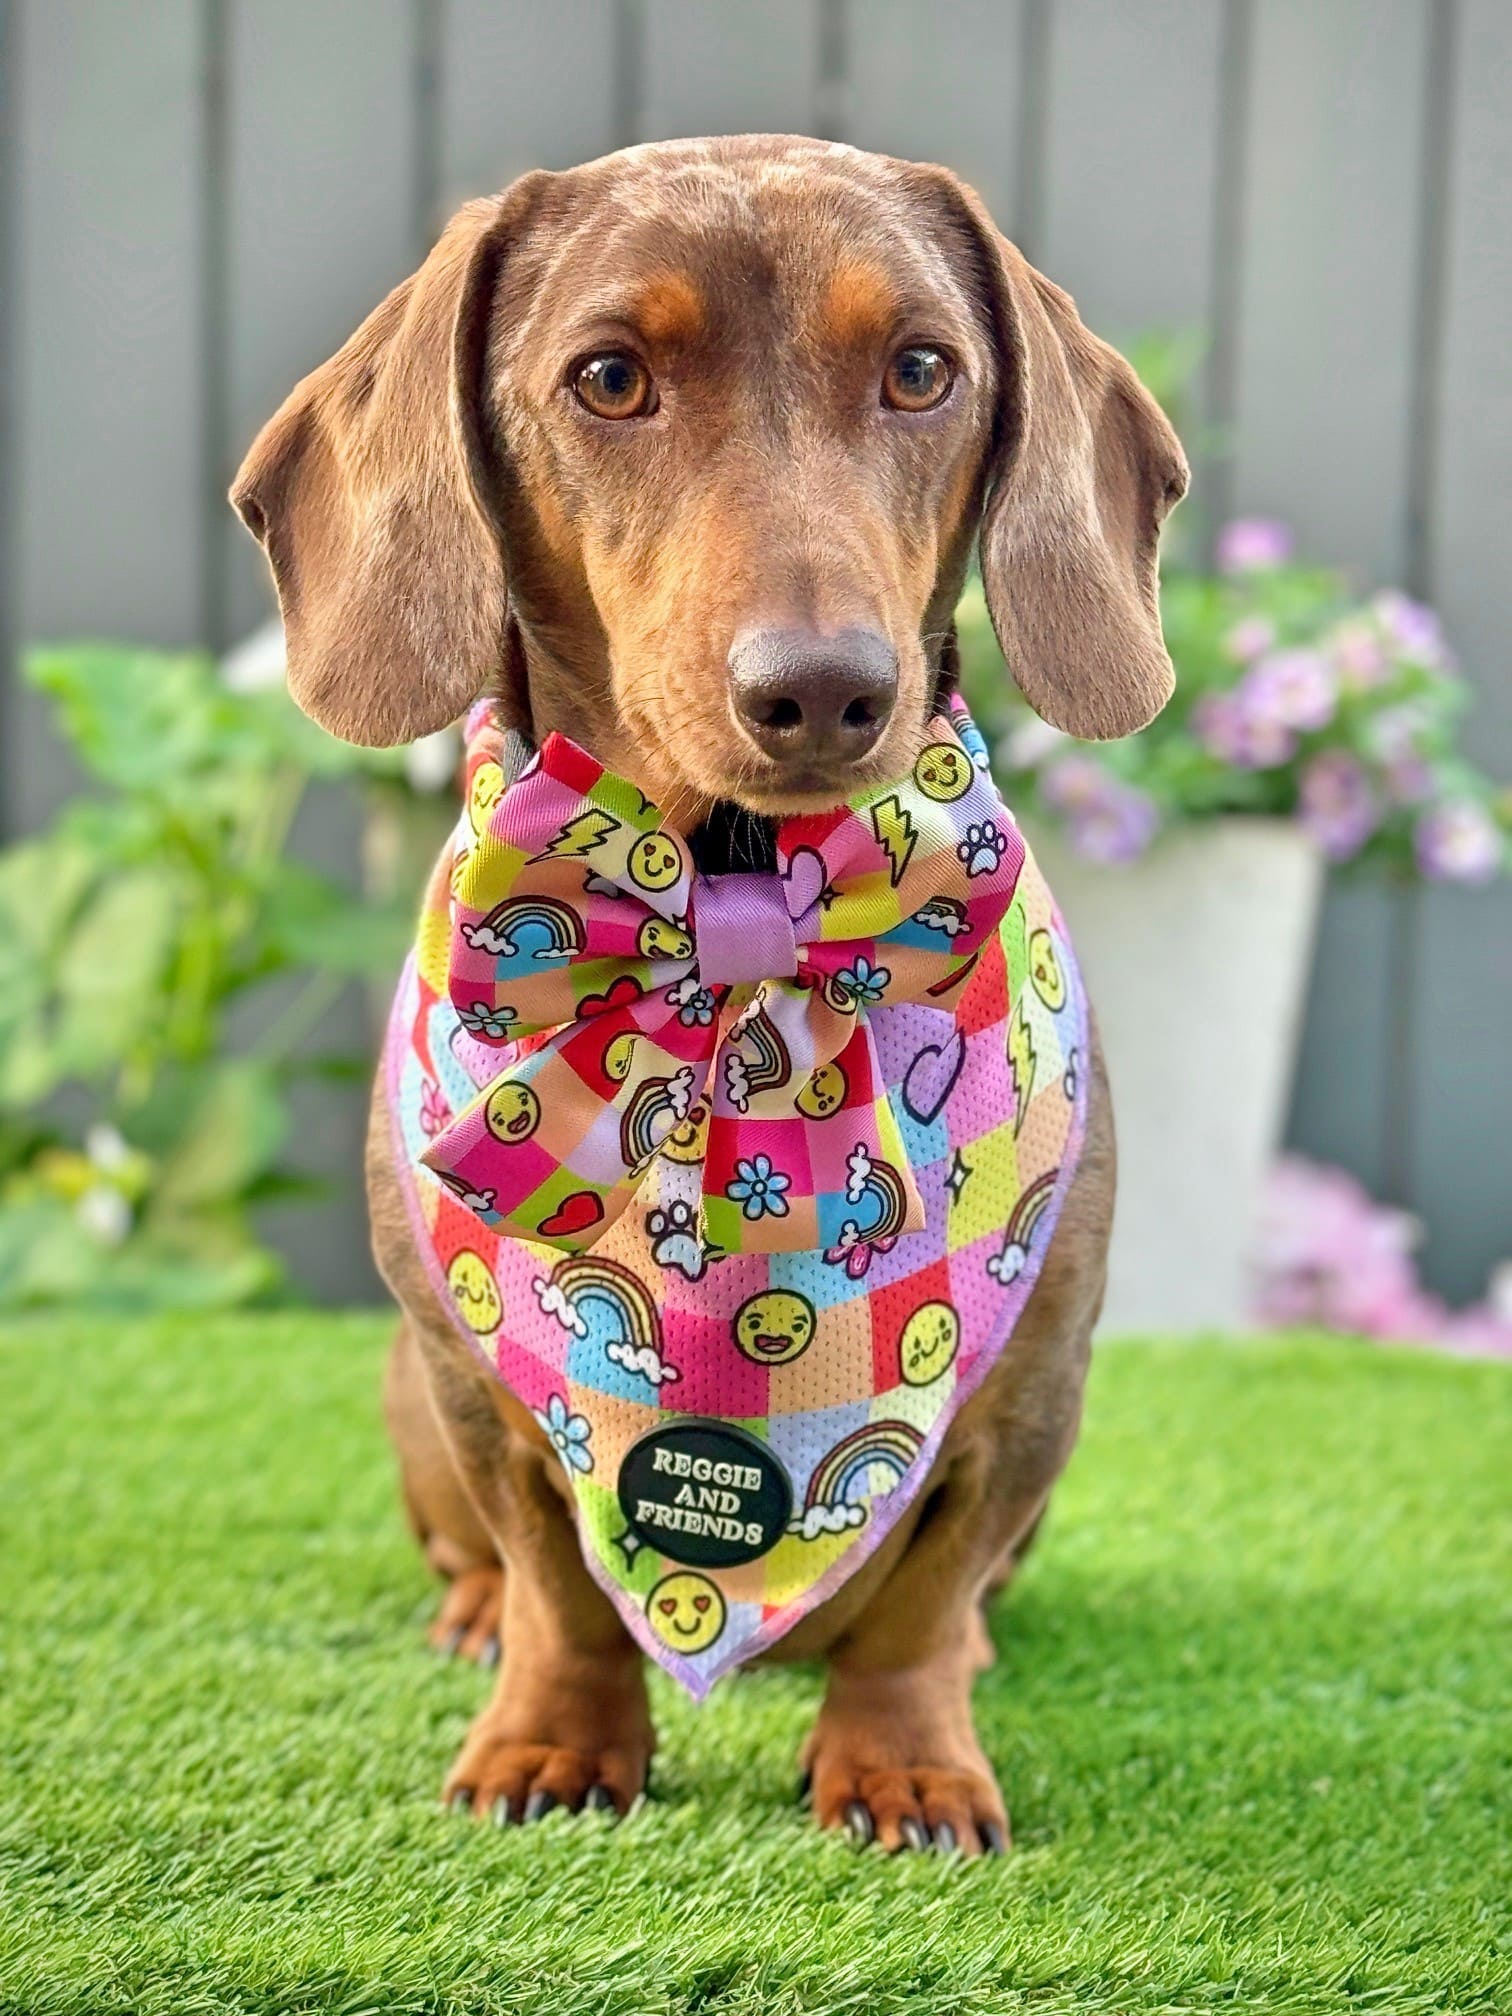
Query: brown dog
<point x="682" y="453"/>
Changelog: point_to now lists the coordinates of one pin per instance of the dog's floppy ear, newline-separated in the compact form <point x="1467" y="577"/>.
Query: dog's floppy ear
<point x="1084" y="466"/>
<point x="364" y="491"/>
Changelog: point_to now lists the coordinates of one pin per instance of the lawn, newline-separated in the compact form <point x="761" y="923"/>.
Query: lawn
<point x="1251" y="1713"/>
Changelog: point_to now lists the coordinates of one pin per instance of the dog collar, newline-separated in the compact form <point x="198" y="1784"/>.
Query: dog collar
<point x="741" y="1421"/>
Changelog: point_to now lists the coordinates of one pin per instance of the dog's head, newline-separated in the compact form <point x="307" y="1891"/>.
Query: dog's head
<point x="683" y="453"/>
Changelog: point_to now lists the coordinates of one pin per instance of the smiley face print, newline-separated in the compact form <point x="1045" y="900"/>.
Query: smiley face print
<point x="823" y="1092"/>
<point x="689" y="1138"/>
<point x="513" y="1113"/>
<point x="775" y="1327"/>
<point x="686" y="1611"/>
<point x="654" y="862"/>
<point x="1045" y="970"/>
<point x="483" y="794"/>
<point x="475" y="1292"/>
<point x="943" y="772"/>
<point x="662" y="938"/>
<point x="931" y="1337"/>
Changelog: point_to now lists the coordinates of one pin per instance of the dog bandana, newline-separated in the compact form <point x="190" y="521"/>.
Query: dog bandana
<point x="739" y="1182"/>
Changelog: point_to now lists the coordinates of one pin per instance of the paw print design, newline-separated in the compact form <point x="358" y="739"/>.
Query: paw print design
<point x="983" y="848"/>
<point x="675" y="1242"/>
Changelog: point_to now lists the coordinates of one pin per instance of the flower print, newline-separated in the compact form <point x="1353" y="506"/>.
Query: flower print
<point x="492" y="1024"/>
<point x="982" y="849"/>
<point x="758" y="1188"/>
<point x="697" y="1009"/>
<point x="856" y="1254"/>
<point x="864" y="983"/>
<point x="1336" y="805"/>
<point x="435" y="1109"/>
<point x="568" y="1433"/>
<point x="1253" y="545"/>
<point x="1458" y="842"/>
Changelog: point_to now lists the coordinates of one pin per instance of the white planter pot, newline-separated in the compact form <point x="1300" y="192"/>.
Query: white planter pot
<point x="1196" y="959"/>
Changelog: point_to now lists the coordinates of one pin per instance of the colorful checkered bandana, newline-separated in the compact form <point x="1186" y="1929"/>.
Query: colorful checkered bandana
<point x="745" y="1381"/>
<point x="736" y="1005"/>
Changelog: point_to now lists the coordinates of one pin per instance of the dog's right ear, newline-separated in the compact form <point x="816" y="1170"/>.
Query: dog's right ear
<point x="364" y="490"/>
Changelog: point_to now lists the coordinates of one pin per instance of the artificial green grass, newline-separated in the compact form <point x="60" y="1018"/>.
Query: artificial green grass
<point x="1251" y="1714"/>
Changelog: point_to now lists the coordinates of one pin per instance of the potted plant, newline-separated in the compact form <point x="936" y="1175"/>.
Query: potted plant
<point x="1309" y="728"/>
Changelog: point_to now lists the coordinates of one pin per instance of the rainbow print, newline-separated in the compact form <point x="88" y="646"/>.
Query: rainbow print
<point x="653" y="1109"/>
<point x="884" y="1191"/>
<point x="1034" y="1198"/>
<point x="893" y="1444"/>
<point x="541" y="925"/>
<point x="582" y="1284"/>
<point x="767" y="1059"/>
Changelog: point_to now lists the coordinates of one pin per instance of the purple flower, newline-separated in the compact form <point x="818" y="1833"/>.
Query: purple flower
<point x="1336" y="804"/>
<point x="1458" y="842"/>
<point x="1357" y="655"/>
<point x="1224" y="726"/>
<point x="1248" y="638"/>
<point x="1072" y="782"/>
<point x="1394" y="736"/>
<point x="1250" y="545"/>
<point x="1412" y="629"/>
<point x="1298" y="689"/>
<point x="1108" y="820"/>
<point x="1118" y="829"/>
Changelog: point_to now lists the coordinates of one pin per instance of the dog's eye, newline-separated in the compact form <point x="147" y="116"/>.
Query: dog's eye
<point x="615" y="386"/>
<point x="917" y="379"/>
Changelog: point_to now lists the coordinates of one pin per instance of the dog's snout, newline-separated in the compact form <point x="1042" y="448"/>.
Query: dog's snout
<point x="810" y="699"/>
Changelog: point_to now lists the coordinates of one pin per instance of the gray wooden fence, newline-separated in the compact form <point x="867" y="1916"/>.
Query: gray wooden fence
<point x="202" y="197"/>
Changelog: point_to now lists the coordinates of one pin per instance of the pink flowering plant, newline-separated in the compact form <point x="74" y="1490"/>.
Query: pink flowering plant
<point x="1294" y="698"/>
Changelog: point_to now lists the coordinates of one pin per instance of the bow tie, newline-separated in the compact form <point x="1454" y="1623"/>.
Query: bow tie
<point x="722" y="1020"/>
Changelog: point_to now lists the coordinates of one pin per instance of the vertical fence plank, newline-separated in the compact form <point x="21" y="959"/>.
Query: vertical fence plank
<point x="319" y="183"/>
<point x="945" y="87"/>
<point x="1322" y="427"/>
<point x="1326" y="308"/>
<point x="320" y="173"/>
<point x="107" y="471"/>
<point x="728" y="69"/>
<point x="1461" y="1080"/>
<point x="524" y="86"/>
<point x="1131" y="142"/>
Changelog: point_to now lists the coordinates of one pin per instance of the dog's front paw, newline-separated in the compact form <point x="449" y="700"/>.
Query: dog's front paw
<point x="579" y="1754"/>
<point x="883" y="1772"/>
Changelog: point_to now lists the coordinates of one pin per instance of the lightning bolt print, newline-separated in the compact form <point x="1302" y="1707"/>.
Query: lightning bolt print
<point x="580" y="836"/>
<point x="896" y="833"/>
<point x="1021" y="1063"/>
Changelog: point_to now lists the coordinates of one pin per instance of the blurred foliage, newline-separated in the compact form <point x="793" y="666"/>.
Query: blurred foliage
<point x="136" y="1133"/>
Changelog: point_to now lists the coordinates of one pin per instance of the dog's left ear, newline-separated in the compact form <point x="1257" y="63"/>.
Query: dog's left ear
<point x="367" y="490"/>
<point x="1083" y="468"/>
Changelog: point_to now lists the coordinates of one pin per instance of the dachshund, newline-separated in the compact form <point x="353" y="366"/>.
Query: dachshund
<point x="683" y="454"/>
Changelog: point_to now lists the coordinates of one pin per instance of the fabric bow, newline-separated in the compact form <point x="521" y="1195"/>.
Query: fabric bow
<point x="718" y="1019"/>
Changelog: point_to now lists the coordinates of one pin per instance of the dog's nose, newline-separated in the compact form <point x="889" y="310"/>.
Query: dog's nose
<point x="815" y="699"/>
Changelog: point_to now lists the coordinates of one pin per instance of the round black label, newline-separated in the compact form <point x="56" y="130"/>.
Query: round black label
<point x="705" y="1493"/>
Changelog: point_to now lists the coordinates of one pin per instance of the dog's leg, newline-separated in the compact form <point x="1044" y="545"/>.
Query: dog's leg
<point x="569" y="1723"/>
<point x="452" y="1536"/>
<point x="894" y="1752"/>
